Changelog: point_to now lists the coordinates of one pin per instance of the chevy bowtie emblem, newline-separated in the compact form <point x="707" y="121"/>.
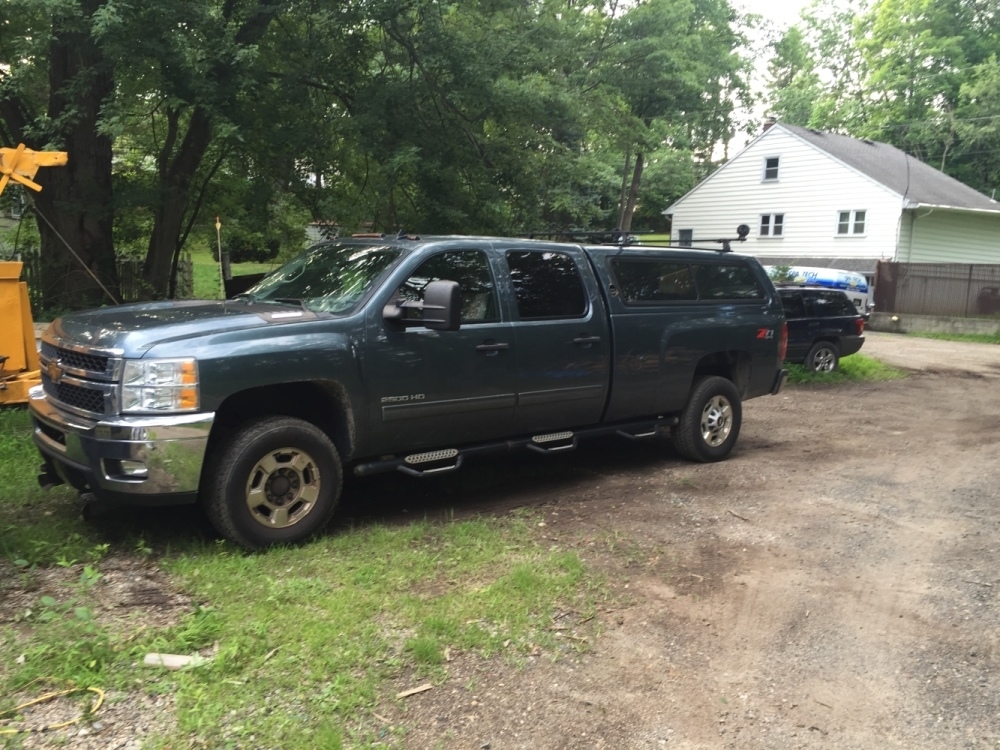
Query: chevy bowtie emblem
<point x="55" y="371"/>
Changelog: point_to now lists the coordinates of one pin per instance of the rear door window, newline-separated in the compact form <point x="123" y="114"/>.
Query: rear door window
<point x="831" y="305"/>
<point x="547" y="285"/>
<point x="793" y="304"/>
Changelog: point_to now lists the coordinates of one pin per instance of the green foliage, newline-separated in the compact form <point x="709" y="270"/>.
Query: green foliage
<point x="779" y="274"/>
<point x="480" y="117"/>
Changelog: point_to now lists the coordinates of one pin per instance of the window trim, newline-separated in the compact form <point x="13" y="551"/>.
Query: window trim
<point x="690" y="240"/>
<point x="852" y="222"/>
<point x="770" y="226"/>
<point x="777" y="169"/>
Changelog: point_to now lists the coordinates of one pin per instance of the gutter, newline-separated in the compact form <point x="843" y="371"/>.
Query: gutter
<point x="910" y="206"/>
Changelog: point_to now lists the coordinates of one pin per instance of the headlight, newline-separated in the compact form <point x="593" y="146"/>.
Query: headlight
<point x="160" y="385"/>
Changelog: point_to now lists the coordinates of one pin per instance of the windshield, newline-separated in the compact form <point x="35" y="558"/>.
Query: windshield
<point x="328" y="278"/>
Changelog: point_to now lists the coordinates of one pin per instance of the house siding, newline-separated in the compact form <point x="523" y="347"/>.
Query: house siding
<point x="938" y="236"/>
<point x="812" y="187"/>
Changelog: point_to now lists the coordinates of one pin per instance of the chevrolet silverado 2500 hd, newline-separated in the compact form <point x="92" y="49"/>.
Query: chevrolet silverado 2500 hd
<point x="408" y="354"/>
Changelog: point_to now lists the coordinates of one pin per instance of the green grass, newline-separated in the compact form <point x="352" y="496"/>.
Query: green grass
<point x="855" y="367"/>
<point x="973" y="338"/>
<point x="208" y="278"/>
<point x="306" y="640"/>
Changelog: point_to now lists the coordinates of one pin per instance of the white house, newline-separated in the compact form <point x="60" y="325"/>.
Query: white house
<point x="821" y="199"/>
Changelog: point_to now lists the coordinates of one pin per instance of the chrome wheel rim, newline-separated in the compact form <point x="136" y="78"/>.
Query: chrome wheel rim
<point x="283" y="488"/>
<point x="823" y="360"/>
<point x="716" y="421"/>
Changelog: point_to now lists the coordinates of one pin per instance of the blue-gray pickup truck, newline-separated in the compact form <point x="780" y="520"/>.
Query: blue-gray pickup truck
<point x="409" y="354"/>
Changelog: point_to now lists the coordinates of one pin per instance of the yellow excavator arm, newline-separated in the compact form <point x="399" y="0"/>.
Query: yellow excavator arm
<point x="21" y="164"/>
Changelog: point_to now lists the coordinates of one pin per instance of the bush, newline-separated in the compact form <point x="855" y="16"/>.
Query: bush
<point x="245" y="246"/>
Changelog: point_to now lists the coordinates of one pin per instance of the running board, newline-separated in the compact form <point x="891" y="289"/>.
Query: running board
<point x="432" y="463"/>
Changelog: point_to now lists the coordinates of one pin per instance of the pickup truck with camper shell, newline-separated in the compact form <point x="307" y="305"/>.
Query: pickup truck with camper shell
<point x="400" y="354"/>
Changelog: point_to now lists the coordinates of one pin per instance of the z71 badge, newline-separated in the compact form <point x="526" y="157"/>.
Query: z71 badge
<point x="765" y="333"/>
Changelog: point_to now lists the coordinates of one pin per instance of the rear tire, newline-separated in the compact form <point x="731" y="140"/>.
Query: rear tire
<point x="823" y="357"/>
<point x="710" y="423"/>
<point x="276" y="480"/>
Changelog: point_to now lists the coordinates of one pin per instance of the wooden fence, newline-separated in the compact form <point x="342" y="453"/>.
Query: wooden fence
<point x="131" y="285"/>
<point x="964" y="290"/>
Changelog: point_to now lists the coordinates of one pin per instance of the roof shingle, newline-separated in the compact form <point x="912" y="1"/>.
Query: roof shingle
<point x="917" y="182"/>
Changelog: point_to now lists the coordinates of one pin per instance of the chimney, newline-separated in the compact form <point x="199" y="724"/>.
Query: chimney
<point x="769" y="123"/>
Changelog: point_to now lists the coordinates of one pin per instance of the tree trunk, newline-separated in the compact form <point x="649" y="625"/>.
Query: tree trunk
<point x="633" y="193"/>
<point x="76" y="198"/>
<point x="177" y="169"/>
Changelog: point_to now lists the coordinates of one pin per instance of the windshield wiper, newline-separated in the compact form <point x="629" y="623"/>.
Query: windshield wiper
<point x="287" y="301"/>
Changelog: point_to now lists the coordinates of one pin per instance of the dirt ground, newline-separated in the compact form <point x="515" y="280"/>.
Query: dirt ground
<point x="832" y="585"/>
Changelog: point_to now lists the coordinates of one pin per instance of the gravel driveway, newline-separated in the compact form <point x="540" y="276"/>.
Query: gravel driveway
<point x="933" y="355"/>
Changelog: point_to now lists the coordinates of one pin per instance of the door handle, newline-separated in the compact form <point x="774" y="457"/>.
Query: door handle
<point x="586" y="340"/>
<point x="493" y="347"/>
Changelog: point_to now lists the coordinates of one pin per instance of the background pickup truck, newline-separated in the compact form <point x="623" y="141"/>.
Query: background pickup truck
<point x="401" y="354"/>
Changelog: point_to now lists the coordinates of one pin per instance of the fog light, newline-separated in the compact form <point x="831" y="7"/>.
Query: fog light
<point x="122" y="469"/>
<point x="134" y="469"/>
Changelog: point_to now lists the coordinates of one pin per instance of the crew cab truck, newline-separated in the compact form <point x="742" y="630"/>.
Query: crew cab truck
<point x="408" y="354"/>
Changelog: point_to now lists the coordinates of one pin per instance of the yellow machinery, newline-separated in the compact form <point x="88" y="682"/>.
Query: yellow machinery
<point x="18" y="355"/>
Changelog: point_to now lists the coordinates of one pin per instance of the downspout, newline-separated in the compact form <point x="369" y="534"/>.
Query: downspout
<point x="913" y="220"/>
<point x="909" y="253"/>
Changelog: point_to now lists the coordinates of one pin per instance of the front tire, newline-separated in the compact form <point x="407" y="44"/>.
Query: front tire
<point x="277" y="480"/>
<point x="823" y="357"/>
<point x="710" y="423"/>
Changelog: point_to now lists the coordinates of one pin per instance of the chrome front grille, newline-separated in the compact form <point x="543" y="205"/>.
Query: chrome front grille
<point x="80" y="380"/>
<point x="74" y="396"/>
<point x="70" y="359"/>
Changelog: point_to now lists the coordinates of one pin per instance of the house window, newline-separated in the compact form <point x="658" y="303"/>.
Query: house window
<point x="851" y="223"/>
<point x="772" y="225"/>
<point x="685" y="237"/>
<point x="770" y="168"/>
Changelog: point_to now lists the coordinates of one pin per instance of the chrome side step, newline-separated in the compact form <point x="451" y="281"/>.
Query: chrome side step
<point x="553" y="442"/>
<point x="437" y="460"/>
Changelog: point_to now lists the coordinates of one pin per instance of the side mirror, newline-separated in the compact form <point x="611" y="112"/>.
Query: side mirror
<point x="441" y="308"/>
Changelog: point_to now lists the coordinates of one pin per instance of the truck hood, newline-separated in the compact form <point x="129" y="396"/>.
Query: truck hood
<point x="133" y="329"/>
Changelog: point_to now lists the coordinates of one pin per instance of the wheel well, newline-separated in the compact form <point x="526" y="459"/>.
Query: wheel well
<point x="733" y="366"/>
<point x="324" y="404"/>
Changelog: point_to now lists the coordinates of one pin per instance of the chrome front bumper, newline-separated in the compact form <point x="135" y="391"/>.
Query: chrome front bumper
<point x="144" y="460"/>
